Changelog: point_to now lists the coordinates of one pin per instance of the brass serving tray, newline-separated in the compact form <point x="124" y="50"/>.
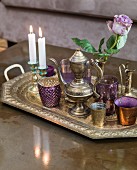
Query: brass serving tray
<point x="15" y="93"/>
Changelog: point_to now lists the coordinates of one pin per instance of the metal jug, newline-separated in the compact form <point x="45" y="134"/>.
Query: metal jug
<point x="126" y="91"/>
<point x="78" y="89"/>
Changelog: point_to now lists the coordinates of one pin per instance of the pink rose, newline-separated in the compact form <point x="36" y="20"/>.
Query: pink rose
<point x="121" y="24"/>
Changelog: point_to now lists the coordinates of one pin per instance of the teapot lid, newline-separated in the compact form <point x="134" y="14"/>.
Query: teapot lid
<point x="78" y="57"/>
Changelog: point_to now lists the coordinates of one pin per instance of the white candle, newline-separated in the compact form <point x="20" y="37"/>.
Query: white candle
<point x="32" y="46"/>
<point x="42" y="50"/>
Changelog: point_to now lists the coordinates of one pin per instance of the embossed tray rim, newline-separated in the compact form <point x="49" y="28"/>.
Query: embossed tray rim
<point x="67" y="122"/>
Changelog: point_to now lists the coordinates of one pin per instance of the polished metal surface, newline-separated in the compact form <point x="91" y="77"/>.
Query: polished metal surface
<point x="98" y="111"/>
<point x="15" y="93"/>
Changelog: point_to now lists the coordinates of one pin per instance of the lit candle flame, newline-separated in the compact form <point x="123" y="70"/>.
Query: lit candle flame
<point x="30" y="29"/>
<point x="40" y="32"/>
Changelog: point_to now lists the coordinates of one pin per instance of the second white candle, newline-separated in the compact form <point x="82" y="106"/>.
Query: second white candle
<point x="42" y="50"/>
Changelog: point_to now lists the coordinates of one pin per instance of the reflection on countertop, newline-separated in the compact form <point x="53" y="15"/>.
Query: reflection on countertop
<point x="34" y="143"/>
<point x="41" y="145"/>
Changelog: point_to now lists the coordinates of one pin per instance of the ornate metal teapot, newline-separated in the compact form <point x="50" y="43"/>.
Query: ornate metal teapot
<point x="79" y="90"/>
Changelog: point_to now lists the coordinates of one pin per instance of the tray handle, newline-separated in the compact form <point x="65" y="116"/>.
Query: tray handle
<point x="11" y="67"/>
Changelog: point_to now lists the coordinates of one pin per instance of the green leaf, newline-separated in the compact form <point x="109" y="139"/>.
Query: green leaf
<point x="100" y="44"/>
<point x="111" y="41"/>
<point x="112" y="51"/>
<point x="85" y="45"/>
<point x="121" y="41"/>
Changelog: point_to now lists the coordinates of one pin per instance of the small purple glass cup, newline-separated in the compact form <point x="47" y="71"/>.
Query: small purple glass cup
<point x="50" y="71"/>
<point x="126" y="110"/>
<point x="49" y="91"/>
<point x="107" y="88"/>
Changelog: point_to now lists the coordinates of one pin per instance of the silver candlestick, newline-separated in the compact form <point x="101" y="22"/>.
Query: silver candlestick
<point x="34" y="67"/>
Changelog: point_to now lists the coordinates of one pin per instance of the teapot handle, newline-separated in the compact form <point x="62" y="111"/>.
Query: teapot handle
<point x="121" y="77"/>
<point x="61" y="80"/>
<point x="100" y="75"/>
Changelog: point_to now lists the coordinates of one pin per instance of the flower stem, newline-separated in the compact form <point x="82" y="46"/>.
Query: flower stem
<point x="116" y="39"/>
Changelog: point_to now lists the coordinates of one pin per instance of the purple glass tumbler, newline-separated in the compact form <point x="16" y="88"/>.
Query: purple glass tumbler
<point x="67" y="74"/>
<point x="108" y="88"/>
<point x="49" y="91"/>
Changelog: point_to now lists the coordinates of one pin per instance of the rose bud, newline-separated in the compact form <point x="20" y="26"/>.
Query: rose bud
<point x="121" y="24"/>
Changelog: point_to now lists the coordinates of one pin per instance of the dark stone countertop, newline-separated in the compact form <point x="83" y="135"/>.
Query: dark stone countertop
<point x="28" y="142"/>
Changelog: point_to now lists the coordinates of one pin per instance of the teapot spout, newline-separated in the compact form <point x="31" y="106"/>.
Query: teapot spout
<point x="61" y="80"/>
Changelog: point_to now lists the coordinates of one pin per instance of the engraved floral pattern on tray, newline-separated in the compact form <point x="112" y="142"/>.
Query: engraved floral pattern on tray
<point x="15" y="93"/>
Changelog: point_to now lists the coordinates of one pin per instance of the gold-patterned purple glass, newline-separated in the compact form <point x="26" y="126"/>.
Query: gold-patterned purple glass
<point x="50" y="91"/>
<point x="108" y="88"/>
